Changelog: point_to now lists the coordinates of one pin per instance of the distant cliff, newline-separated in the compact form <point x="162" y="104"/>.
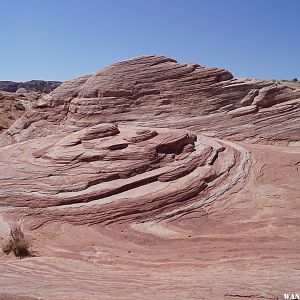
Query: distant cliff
<point x="30" y="86"/>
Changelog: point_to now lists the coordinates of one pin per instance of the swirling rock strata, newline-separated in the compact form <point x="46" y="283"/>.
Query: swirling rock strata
<point x="154" y="176"/>
<point x="98" y="165"/>
<point x="157" y="91"/>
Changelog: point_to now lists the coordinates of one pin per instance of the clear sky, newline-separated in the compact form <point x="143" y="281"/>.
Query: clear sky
<point x="63" y="39"/>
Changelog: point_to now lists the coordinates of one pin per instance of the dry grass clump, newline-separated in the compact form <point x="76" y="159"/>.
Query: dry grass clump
<point x="17" y="243"/>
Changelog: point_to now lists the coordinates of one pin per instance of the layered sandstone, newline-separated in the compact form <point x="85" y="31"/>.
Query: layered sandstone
<point x="152" y="179"/>
<point x="159" y="92"/>
<point x="39" y="86"/>
<point x="13" y="105"/>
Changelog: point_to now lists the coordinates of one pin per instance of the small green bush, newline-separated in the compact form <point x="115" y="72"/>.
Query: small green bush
<point x="17" y="243"/>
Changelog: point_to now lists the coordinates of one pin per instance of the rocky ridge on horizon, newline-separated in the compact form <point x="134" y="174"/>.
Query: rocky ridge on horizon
<point x="40" y="86"/>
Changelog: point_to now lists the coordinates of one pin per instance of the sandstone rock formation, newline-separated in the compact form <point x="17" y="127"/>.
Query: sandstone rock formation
<point x="16" y="97"/>
<point x="155" y="180"/>
<point x="13" y="105"/>
<point x="39" y="86"/>
<point x="158" y="92"/>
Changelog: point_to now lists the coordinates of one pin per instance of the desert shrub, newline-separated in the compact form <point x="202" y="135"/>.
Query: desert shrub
<point x="8" y="247"/>
<point x="17" y="243"/>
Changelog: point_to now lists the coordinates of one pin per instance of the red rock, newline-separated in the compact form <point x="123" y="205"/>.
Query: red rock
<point x="157" y="91"/>
<point x="13" y="105"/>
<point x="245" y="110"/>
<point x="39" y="86"/>
<point x="158" y="177"/>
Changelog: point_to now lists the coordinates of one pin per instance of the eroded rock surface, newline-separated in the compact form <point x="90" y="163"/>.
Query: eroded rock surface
<point x="16" y="97"/>
<point x="159" y="92"/>
<point x="13" y="106"/>
<point x="154" y="180"/>
<point x="39" y="86"/>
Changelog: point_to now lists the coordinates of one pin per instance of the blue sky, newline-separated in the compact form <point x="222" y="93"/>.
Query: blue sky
<point x="63" y="39"/>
